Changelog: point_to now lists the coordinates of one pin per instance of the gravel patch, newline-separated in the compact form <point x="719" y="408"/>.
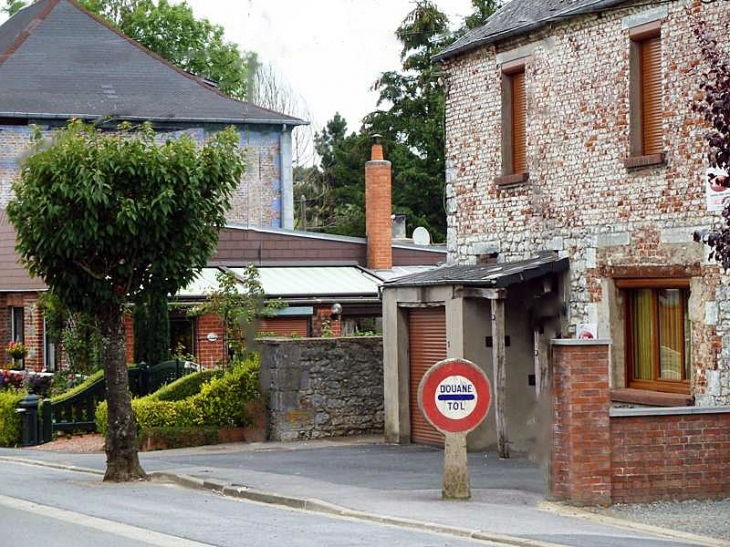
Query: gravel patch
<point x="92" y="442"/>
<point x="707" y="518"/>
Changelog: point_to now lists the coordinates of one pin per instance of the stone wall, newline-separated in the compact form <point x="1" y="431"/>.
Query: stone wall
<point x="580" y="199"/>
<point x="257" y="201"/>
<point x="323" y="387"/>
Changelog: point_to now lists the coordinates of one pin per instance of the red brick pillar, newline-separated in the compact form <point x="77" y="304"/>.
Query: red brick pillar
<point x="580" y="469"/>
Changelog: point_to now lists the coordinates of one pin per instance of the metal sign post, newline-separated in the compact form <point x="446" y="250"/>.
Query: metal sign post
<point x="454" y="395"/>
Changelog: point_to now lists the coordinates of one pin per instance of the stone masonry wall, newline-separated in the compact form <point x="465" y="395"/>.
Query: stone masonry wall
<point x="580" y="200"/>
<point x="323" y="387"/>
<point x="257" y="200"/>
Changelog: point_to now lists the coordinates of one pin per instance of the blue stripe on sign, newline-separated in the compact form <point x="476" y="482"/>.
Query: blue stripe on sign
<point x="455" y="397"/>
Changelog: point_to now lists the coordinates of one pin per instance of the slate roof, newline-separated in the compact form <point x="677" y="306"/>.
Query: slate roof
<point x="522" y="16"/>
<point x="485" y="275"/>
<point x="59" y="61"/>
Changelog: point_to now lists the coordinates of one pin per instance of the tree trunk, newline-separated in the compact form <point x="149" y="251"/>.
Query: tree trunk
<point x="122" y="462"/>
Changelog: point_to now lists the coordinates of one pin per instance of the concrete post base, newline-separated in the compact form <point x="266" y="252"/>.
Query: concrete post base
<point x="456" y="469"/>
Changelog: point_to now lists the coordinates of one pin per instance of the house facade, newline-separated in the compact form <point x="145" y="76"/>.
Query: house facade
<point x="576" y="178"/>
<point x="570" y="129"/>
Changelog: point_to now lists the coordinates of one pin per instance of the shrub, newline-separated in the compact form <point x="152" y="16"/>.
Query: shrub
<point x="9" y="419"/>
<point x="220" y="403"/>
<point x="184" y="387"/>
<point x="178" y="437"/>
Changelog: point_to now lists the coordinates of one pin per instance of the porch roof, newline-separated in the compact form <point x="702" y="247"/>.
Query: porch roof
<point x="499" y="275"/>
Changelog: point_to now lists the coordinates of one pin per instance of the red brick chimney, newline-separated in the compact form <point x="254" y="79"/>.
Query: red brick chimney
<point x="378" y="224"/>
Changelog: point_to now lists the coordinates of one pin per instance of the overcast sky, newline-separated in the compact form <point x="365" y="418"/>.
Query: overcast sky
<point x="330" y="51"/>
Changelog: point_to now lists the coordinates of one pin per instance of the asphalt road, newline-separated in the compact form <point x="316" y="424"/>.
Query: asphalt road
<point x="41" y="506"/>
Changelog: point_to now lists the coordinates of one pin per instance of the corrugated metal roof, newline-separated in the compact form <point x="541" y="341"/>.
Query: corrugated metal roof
<point x="485" y="275"/>
<point x="317" y="281"/>
<point x="295" y="282"/>
<point x="59" y="61"/>
<point x="521" y="16"/>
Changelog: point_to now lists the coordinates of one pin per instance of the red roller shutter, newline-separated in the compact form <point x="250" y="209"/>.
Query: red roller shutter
<point x="427" y="346"/>
<point x="285" y="326"/>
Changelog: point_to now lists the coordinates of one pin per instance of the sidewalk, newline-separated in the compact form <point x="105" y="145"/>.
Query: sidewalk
<point x="368" y="476"/>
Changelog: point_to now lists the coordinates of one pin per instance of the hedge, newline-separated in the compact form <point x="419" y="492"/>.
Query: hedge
<point x="10" y="432"/>
<point x="220" y="403"/>
<point x="184" y="387"/>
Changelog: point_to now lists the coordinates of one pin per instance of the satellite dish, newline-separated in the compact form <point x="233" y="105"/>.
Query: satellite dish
<point x="421" y="236"/>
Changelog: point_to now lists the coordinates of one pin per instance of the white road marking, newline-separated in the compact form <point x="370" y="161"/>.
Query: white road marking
<point x="141" y="535"/>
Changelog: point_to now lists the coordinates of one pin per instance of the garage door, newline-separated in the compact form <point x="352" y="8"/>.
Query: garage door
<point x="285" y="326"/>
<point x="427" y="346"/>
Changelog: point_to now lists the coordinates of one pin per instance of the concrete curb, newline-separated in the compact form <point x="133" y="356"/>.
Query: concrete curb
<point x="322" y="507"/>
<point x="576" y="512"/>
<point x="63" y="467"/>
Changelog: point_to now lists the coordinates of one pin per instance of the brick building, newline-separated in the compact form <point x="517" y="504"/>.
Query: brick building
<point x="576" y="165"/>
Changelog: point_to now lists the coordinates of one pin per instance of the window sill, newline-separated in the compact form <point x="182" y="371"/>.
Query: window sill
<point x="510" y="180"/>
<point x="650" y="398"/>
<point x="641" y="162"/>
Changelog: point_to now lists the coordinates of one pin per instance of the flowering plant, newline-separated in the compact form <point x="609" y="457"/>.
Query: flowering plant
<point x="16" y="350"/>
<point x="9" y="380"/>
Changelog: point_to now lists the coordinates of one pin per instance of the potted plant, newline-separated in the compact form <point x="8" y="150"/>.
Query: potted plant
<point x="18" y="351"/>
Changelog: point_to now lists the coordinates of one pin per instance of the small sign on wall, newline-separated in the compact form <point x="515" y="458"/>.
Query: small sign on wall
<point x="718" y="194"/>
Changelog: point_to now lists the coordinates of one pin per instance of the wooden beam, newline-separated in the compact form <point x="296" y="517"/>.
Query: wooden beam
<point x="475" y="292"/>
<point x="499" y="358"/>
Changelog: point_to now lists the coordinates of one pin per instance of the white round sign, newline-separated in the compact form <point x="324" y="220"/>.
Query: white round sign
<point x="456" y="397"/>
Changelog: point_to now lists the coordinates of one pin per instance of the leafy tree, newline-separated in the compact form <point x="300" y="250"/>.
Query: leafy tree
<point x="173" y="32"/>
<point x="106" y="219"/>
<point x="238" y="302"/>
<point x="714" y="105"/>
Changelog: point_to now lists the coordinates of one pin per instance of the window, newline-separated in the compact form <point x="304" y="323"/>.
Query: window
<point x="657" y="334"/>
<point x="514" y="124"/>
<point x="50" y="355"/>
<point x="647" y="146"/>
<point x="17" y="325"/>
<point x="182" y="336"/>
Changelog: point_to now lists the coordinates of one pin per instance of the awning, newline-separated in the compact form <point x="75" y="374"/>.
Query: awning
<point x="485" y="275"/>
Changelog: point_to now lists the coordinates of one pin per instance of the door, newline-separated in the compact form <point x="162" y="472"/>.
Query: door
<point x="427" y="346"/>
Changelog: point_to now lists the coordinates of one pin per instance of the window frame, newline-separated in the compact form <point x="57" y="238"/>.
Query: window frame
<point x="639" y="155"/>
<point x="682" y="386"/>
<point x="510" y="173"/>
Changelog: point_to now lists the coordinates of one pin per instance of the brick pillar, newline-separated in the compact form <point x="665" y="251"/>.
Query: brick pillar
<point x="322" y="315"/>
<point x="378" y="224"/>
<point x="580" y="470"/>
<point x="209" y="353"/>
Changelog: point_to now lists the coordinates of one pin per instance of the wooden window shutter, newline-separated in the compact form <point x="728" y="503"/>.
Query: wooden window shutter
<point x="651" y="96"/>
<point x="519" y="118"/>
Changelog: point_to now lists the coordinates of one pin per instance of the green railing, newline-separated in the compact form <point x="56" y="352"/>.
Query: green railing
<point x="76" y="413"/>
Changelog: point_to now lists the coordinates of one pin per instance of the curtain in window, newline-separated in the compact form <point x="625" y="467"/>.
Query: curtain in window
<point x="671" y="334"/>
<point x="643" y="332"/>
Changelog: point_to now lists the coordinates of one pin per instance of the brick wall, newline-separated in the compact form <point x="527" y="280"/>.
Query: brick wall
<point x="580" y="200"/>
<point x="602" y="455"/>
<point x="322" y="319"/>
<point x="670" y="457"/>
<point x="256" y="201"/>
<point x="210" y="354"/>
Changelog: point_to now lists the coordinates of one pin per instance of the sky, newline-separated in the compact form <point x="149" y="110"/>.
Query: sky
<point x="329" y="51"/>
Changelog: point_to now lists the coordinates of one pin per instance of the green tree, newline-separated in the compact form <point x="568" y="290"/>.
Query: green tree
<point x="106" y="219"/>
<point x="175" y="34"/>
